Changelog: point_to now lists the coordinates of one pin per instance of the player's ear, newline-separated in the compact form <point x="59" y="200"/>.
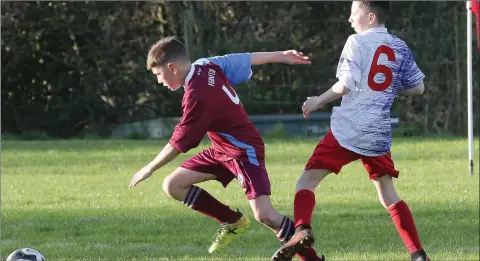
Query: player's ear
<point x="172" y="67"/>
<point x="371" y="18"/>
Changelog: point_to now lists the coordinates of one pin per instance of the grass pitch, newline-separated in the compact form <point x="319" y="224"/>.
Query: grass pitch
<point x="70" y="200"/>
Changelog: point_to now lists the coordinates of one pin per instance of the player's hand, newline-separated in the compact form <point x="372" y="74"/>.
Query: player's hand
<point x="295" y="57"/>
<point x="310" y="105"/>
<point x="141" y="175"/>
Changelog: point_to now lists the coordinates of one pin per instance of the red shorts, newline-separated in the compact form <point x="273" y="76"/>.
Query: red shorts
<point x="254" y="179"/>
<point x="330" y="155"/>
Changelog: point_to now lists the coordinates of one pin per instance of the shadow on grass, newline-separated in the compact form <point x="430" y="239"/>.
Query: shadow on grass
<point x="156" y="233"/>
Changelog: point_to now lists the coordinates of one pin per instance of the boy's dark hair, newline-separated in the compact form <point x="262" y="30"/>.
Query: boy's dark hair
<point x="380" y="8"/>
<point x="166" y="50"/>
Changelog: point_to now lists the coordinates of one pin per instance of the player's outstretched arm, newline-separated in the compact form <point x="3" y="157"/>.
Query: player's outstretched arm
<point x="287" y="57"/>
<point x="417" y="90"/>
<point x="167" y="154"/>
<point x="314" y="103"/>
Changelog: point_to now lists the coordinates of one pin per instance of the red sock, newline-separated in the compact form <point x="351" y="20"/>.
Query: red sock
<point x="201" y="201"/>
<point x="403" y="220"/>
<point x="303" y="206"/>
<point x="307" y="254"/>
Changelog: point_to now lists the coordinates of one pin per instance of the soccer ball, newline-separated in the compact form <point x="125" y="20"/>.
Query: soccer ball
<point x="25" y="254"/>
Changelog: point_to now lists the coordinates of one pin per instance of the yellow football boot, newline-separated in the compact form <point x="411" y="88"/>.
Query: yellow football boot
<point x="227" y="232"/>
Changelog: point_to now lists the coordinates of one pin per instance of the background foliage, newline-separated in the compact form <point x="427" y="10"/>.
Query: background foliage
<point x="72" y="67"/>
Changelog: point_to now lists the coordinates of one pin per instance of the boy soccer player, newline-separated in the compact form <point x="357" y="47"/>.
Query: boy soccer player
<point x="211" y="106"/>
<point x="373" y="68"/>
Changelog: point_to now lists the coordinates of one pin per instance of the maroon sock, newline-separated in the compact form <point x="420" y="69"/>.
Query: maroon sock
<point x="303" y="206"/>
<point x="403" y="220"/>
<point x="285" y="231"/>
<point x="201" y="201"/>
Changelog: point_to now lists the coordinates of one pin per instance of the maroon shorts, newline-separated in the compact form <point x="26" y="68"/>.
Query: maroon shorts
<point x="330" y="155"/>
<point x="254" y="179"/>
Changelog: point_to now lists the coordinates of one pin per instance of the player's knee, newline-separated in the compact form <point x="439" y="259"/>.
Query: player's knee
<point x="175" y="187"/>
<point x="169" y="186"/>
<point x="387" y="202"/>
<point x="383" y="202"/>
<point x="387" y="195"/>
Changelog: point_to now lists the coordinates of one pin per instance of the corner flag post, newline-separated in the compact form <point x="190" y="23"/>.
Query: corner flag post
<point x="472" y="7"/>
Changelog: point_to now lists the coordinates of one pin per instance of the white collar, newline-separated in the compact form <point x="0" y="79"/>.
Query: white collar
<point x="189" y="76"/>
<point x="376" y="30"/>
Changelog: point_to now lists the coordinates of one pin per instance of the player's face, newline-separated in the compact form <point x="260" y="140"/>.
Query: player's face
<point x="359" y="17"/>
<point x="167" y="75"/>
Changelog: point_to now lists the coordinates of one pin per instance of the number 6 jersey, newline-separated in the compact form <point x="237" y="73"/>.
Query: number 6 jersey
<point x="210" y="105"/>
<point x="374" y="66"/>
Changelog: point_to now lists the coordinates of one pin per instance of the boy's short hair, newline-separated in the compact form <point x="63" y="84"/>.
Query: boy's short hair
<point x="380" y="8"/>
<point x="166" y="50"/>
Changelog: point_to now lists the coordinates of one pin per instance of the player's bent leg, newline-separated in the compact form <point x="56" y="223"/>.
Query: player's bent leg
<point x="180" y="186"/>
<point x="327" y="157"/>
<point x="401" y="217"/>
<point x="304" y="201"/>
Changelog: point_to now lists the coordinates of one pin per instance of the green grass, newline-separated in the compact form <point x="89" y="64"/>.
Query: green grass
<point x="69" y="200"/>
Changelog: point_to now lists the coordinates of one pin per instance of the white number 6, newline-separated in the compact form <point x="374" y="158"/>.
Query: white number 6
<point x="234" y="97"/>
